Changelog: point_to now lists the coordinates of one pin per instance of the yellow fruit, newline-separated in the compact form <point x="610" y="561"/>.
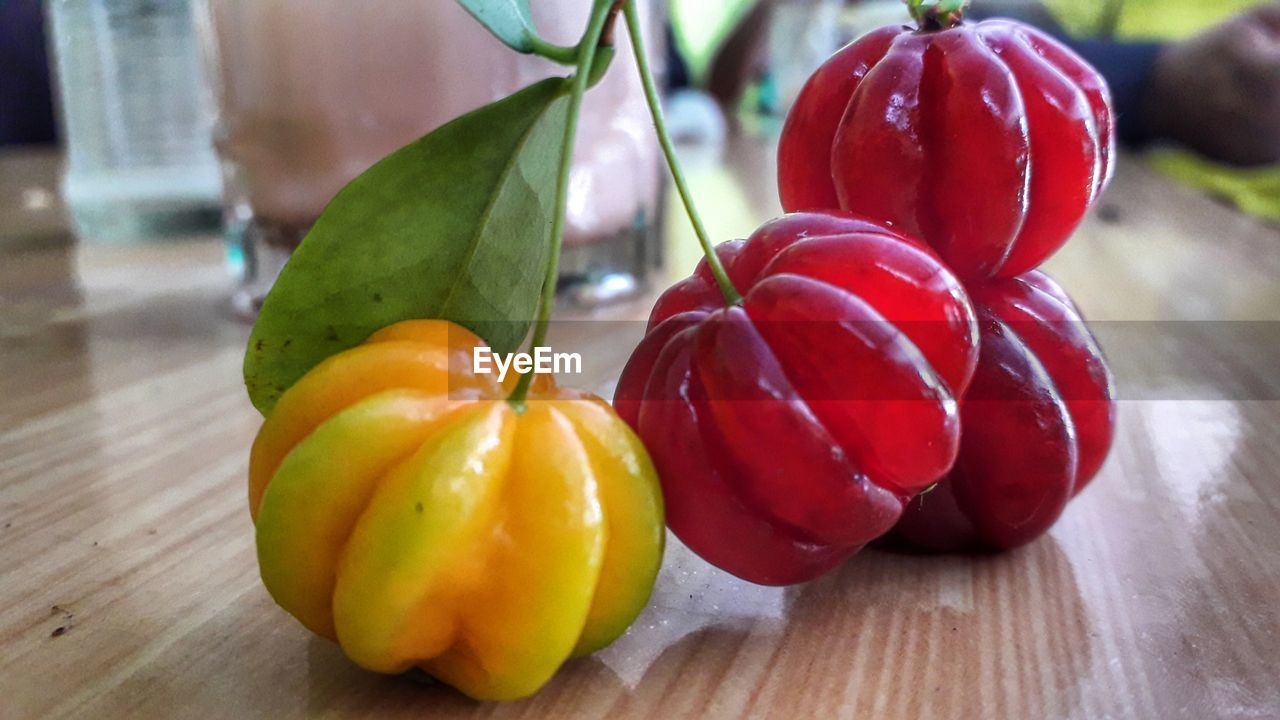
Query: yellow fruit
<point x="404" y="509"/>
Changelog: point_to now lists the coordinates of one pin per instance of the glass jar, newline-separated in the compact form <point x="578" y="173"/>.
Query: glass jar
<point x="136" y="119"/>
<point x="312" y="92"/>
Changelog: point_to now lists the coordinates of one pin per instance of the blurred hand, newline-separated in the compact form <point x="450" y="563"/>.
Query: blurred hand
<point x="1219" y="93"/>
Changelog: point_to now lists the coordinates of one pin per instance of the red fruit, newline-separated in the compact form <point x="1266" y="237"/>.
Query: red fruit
<point x="790" y="430"/>
<point x="1037" y="423"/>
<point x="990" y="141"/>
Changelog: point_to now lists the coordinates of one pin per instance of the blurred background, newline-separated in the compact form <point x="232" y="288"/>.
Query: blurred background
<point x="144" y="121"/>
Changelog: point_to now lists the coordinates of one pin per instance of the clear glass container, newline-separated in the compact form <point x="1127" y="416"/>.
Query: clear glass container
<point x="136" y="116"/>
<point x="312" y="92"/>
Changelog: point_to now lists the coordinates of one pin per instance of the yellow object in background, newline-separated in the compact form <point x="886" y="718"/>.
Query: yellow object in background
<point x="700" y="27"/>
<point x="404" y="509"/>
<point x="1145" y="19"/>
<point x="1254" y="191"/>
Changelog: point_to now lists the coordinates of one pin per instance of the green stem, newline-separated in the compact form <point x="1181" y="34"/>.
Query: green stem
<point x="731" y="294"/>
<point x="563" y="54"/>
<point x="934" y="15"/>
<point x="601" y="12"/>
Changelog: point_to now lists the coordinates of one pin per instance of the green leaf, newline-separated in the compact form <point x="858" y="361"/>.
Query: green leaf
<point x="455" y="225"/>
<point x="509" y="20"/>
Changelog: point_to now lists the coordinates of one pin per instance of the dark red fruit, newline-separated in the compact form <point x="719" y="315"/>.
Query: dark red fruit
<point x="791" y="429"/>
<point x="989" y="141"/>
<point x="1037" y="423"/>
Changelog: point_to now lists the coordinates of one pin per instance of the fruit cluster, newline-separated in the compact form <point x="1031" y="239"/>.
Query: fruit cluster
<point x="883" y="361"/>
<point x="896" y="363"/>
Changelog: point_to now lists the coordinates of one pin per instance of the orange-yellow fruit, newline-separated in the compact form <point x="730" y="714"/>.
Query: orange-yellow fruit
<point x="404" y="509"/>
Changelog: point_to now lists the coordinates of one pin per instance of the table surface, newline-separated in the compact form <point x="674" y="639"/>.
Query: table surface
<point x="129" y="588"/>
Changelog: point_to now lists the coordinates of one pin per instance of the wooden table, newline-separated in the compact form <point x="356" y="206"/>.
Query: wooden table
<point x="129" y="589"/>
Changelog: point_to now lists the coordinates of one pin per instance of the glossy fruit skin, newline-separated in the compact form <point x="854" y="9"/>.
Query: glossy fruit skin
<point x="405" y="510"/>
<point x="1037" y="424"/>
<point x="989" y="141"/>
<point x="790" y="430"/>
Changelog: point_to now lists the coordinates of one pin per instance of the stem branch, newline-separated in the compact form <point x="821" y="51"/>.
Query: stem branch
<point x="730" y="293"/>
<point x="601" y="12"/>
<point x="565" y="55"/>
<point x="934" y="15"/>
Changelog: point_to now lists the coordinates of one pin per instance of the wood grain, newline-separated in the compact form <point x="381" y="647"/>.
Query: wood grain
<point x="129" y="588"/>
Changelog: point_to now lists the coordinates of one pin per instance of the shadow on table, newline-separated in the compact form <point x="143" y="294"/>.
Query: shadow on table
<point x="338" y="688"/>
<point x="891" y="635"/>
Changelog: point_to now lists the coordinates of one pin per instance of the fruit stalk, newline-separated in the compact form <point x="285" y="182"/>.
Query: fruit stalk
<point x="937" y="14"/>
<point x="603" y="13"/>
